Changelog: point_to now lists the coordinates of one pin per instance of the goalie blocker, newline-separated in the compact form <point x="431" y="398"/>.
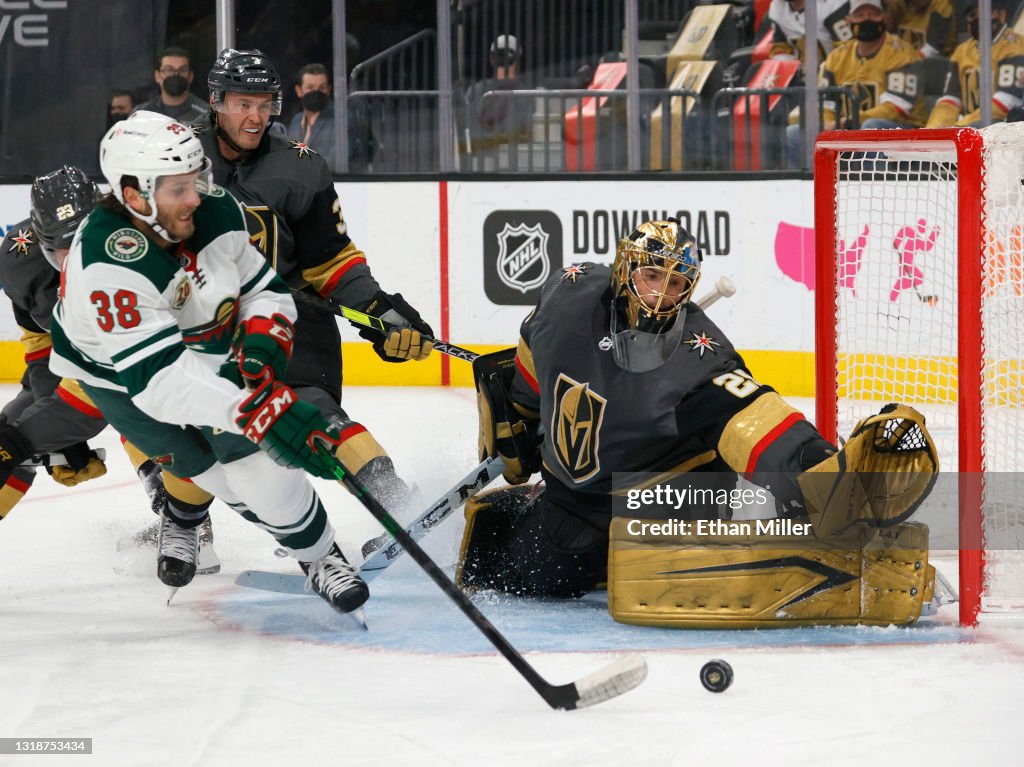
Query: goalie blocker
<point x="862" y="564"/>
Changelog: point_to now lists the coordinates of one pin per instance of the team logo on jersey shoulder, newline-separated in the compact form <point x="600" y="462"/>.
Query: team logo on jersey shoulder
<point x="182" y="294"/>
<point x="576" y="427"/>
<point x="21" y="242"/>
<point x="605" y="344"/>
<point x="574" y="271"/>
<point x="702" y="342"/>
<point x="214" y="190"/>
<point x="126" y="245"/>
<point x="303" y="149"/>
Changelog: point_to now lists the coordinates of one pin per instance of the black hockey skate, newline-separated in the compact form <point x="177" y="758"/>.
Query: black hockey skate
<point x="336" y="581"/>
<point x="177" y="553"/>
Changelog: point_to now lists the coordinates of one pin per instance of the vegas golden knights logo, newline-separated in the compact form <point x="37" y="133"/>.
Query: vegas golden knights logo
<point x="262" y="225"/>
<point x="576" y="427"/>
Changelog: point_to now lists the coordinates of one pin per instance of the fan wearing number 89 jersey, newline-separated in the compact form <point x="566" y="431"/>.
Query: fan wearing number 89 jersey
<point x="960" y="103"/>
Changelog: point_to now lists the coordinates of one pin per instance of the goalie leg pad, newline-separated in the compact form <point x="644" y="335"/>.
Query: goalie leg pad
<point x="879" y="477"/>
<point x="525" y="545"/>
<point x="764" y="581"/>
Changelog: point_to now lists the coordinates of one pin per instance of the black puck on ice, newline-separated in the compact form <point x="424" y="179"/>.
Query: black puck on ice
<point x="716" y="675"/>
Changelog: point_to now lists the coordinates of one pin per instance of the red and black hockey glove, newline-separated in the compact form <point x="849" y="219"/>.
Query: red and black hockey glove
<point x="407" y="342"/>
<point x="285" y="427"/>
<point x="263" y="346"/>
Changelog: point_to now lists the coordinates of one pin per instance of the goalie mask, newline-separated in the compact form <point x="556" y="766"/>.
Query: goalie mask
<point x="655" y="272"/>
<point x="61" y="200"/>
<point x="146" y="147"/>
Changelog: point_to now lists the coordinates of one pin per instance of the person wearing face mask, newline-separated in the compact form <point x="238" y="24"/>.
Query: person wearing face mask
<point x="173" y="75"/>
<point x="960" y="102"/>
<point x="314" y="125"/>
<point x="122" y="102"/>
<point x="880" y="68"/>
<point x="928" y="25"/>
<point x="787" y="17"/>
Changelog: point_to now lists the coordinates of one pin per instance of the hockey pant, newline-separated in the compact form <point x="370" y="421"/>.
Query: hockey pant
<point x="530" y="546"/>
<point x="278" y="499"/>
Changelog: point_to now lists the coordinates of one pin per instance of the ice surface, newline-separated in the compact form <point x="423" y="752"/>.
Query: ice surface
<point x="233" y="676"/>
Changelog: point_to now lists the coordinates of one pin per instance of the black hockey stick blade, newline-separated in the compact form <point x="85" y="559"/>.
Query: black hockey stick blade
<point x="619" y="677"/>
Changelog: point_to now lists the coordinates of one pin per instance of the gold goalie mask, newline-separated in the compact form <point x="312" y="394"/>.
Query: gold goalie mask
<point x="656" y="270"/>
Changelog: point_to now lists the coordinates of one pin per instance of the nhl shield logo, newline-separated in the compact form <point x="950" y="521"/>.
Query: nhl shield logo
<point x="576" y="427"/>
<point x="522" y="249"/>
<point x="523" y="261"/>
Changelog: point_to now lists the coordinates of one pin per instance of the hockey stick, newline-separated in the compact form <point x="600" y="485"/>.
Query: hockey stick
<point x="724" y="288"/>
<point x="382" y="326"/>
<point x="56" y="459"/>
<point x="382" y="551"/>
<point x="616" y="678"/>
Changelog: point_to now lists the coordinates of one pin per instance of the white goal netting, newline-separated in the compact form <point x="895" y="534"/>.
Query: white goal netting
<point x="899" y="322"/>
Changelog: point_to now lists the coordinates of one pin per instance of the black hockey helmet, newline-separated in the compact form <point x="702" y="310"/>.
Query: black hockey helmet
<point x="237" y="71"/>
<point x="60" y="202"/>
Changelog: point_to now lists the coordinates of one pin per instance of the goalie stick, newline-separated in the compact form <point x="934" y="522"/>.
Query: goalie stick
<point x="606" y="683"/>
<point x="723" y="288"/>
<point x="382" y="551"/>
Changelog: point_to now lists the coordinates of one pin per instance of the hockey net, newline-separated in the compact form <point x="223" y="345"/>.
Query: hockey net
<point x="920" y="300"/>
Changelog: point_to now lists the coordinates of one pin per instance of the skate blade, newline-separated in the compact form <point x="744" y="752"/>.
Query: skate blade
<point x="358" y="617"/>
<point x="208" y="562"/>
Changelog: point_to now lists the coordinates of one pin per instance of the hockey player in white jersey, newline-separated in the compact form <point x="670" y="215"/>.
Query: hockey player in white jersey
<point x="165" y="309"/>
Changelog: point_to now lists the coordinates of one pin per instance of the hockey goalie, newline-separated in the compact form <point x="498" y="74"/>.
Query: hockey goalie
<point x="621" y="382"/>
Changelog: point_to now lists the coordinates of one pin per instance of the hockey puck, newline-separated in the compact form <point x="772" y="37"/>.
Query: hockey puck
<point x="716" y="675"/>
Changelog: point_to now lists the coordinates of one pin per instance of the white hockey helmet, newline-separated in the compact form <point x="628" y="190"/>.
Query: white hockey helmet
<point x="146" y="146"/>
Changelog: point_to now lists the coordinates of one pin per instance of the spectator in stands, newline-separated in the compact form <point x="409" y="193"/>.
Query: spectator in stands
<point x="927" y="25"/>
<point x="960" y="103"/>
<point x="173" y="75"/>
<point x="787" y="17"/>
<point x="122" y="102"/>
<point x="493" y="120"/>
<point x="314" y="125"/>
<point x="881" y="70"/>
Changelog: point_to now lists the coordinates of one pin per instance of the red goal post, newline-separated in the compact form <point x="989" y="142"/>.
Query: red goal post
<point x="918" y="299"/>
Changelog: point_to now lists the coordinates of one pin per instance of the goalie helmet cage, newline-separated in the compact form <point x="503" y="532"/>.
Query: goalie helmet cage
<point x="918" y="300"/>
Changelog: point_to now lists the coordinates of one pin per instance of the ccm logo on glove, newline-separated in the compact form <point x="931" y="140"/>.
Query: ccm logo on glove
<point x="269" y="412"/>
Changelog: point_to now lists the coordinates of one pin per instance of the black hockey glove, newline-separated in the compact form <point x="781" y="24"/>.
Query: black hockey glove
<point x="411" y="342"/>
<point x="82" y="464"/>
<point x="14" y="447"/>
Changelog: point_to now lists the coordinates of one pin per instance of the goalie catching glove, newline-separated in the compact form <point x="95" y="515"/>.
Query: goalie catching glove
<point x="409" y="341"/>
<point x="506" y="429"/>
<point x="263" y="346"/>
<point x="878" y="479"/>
<point x="286" y="428"/>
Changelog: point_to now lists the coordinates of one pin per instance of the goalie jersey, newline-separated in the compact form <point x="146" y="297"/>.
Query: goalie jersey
<point x="157" y="324"/>
<point x="701" y="410"/>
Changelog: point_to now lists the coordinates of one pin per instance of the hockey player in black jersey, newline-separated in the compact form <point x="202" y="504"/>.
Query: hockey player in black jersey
<point x="618" y="371"/>
<point x="50" y="414"/>
<point x="295" y="218"/>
